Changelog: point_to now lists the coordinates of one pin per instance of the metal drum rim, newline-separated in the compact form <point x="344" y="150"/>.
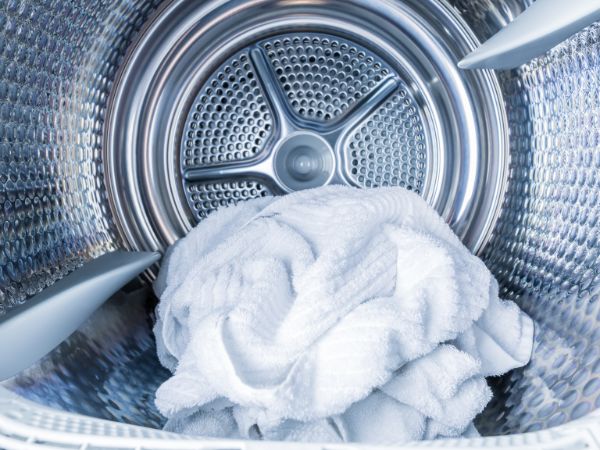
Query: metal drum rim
<point x="140" y="225"/>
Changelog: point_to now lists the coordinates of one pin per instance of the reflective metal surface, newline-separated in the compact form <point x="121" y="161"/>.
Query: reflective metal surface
<point x="106" y="369"/>
<point x="544" y="248"/>
<point x="215" y="94"/>
<point x="315" y="113"/>
<point x="47" y="319"/>
<point x="542" y="26"/>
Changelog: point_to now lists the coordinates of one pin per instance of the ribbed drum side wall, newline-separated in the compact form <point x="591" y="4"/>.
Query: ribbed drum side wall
<point x="58" y="60"/>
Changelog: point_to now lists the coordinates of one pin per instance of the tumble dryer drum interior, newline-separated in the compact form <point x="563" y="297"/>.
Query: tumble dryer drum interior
<point x="124" y="124"/>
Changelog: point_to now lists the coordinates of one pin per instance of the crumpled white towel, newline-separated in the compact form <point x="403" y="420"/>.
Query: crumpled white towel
<point x="334" y="314"/>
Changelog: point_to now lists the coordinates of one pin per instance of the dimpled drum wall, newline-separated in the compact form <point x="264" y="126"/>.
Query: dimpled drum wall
<point x="125" y="123"/>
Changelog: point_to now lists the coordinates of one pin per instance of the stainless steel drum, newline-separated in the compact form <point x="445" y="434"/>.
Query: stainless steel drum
<point x="220" y="102"/>
<point x="123" y="124"/>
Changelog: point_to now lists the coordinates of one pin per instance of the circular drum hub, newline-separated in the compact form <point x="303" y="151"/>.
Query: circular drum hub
<point x="303" y="160"/>
<point x="219" y="102"/>
<point x="299" y="100"/>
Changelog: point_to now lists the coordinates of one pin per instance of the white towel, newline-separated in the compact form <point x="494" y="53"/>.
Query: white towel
<point x="334" y="314"/>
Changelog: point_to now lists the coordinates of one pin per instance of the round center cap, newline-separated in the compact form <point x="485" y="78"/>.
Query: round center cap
<point x="303" y="165"/>
<point x="304" y="160"/>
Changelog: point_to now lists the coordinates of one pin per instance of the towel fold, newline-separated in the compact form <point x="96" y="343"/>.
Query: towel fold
<point x="334" y="314"/>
